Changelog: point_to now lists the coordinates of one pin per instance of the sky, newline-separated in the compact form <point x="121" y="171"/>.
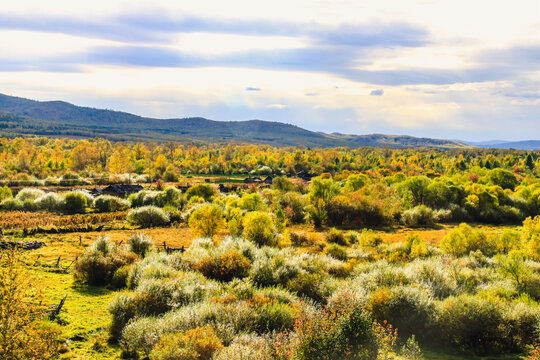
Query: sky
<point x="454" y="69"/>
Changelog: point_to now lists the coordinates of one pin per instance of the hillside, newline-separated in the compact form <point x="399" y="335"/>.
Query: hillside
<point x="500" y="144"/>
<point x="19" y="116"/>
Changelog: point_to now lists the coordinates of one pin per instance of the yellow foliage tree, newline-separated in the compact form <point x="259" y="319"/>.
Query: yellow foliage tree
<point x="24" y="332"/>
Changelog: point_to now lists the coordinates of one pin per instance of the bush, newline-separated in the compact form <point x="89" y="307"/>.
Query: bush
<point x="471" y="323"/>
<point x="409" y="309"/>
<point x="464" y="239"/>
<point x="273" y="316"/>
<point x="355" y="210"/>
<point x="293" y="205"/>
<point x="521" y="321"/>
<point x="309" y="285"/>
<point x="70" y="179"/>
<point x="122" y="309"/>
<point x="120" y="276"/>
<point x="342" y="330"/>
<point x="234" y="224"/>
<point x="196" y="344"/>
<point x="171" y="196"/>
<point x="148" y="216"/>
<point x="11" y="204"/>
<point x="419" y="215"/>
<point x="368" y="238"/>
<point x="206" y="220"/>
<point x="204" y="191"/>
<point x="140" y="244"/>
<point x="224" y="267"/>
<point x="531" y="236"/>
<point x="97" y="265"/>
<point x="336" y="251"/>
<point x="253" y="202"/>
<point x="74" y="203"/>
<point x="335" y="236"/>
<point x="29" y="194"/>
<point x="509" y="240"/>
<point x="5" y="193"/>
<point x="259" y="228"/>
<point x="107" y="203"/>
<point x="50" y="202"/>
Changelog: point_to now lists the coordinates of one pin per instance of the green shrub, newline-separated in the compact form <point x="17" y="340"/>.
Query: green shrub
<point x="253" y="202"/>
<point x="50" y="202"/>
<point x="119" y="279"/>
<point x="122" y="309"/>
<point x="522" y="324"/>
<point x="471" y="323"/>
<point x="206" y="191"/>
<point x="293" y="205"/>
<point x="29" y="194"/>
<point x="206" y="220"/>
<point x="74" y="203"/>
<point x="418" y="216"/>
<point x="274" y="316"/>
<point x="336" y="251"/>
<point x="335" y="236"/>
<point x="224" y="267"/>
<point x="140" y="244"/>
<point x="70" y="179"/>
<point x="171" y="196"/>
<point x="5" y="193"/>
<point x="148" y="216"/>
<point x="107" y="203"/>
<point x="11" y="204"/>
<point x="464" y="239"/>
<point x="409" y="309"/>
<point x="309" y="285"/>
<point x="342" y="330"/>
<point x="355" y="210"/>
<point x="259" y="228"/>
<point x="234" y="224"/>
<point x="29" y="205"/>
<point x="368" y="238"/>
<point x="97" y="265"/>
<point x="196" y="344"/>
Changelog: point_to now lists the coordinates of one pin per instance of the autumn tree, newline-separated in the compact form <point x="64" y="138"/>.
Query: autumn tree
<point x="24" y="334"/>
<point x="206" y="220"/>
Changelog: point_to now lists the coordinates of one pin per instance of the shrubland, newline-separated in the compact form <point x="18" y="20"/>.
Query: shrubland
<point x="298" y="269"/>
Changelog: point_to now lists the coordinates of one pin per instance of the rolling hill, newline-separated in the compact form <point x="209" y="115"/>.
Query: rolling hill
<point x="20" y="116"/>
<point x="501" y="144"/>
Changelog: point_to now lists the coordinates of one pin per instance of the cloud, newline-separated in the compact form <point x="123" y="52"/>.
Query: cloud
<point x="276" y="106"/>
<point x="158" y="27"/>
<point x="253" y="89"/>
<point x="377" y="92"/>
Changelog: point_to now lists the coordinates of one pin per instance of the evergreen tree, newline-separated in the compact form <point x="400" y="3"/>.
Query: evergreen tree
<point x="529" y="162"/>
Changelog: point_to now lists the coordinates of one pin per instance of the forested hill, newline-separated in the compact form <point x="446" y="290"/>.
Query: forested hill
<point x="19" y="116"/>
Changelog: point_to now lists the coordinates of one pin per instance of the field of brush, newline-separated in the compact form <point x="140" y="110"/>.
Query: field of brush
<point x="345" y="260"/>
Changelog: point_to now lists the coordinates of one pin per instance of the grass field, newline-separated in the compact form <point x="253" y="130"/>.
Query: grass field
<point x="85" y="319"/>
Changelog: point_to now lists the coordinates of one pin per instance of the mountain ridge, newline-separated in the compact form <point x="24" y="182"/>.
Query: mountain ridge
<point x="21" y="116"/>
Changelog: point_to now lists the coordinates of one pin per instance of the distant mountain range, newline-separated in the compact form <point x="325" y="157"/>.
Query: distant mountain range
<point x="501" y="144"/>
<point x="19" y="116"/>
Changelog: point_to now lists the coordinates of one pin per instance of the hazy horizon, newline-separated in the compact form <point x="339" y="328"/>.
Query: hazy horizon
<point x="452" y="70"/>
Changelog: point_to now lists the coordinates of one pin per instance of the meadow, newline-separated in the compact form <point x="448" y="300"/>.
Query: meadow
<point x="353" y="254"/>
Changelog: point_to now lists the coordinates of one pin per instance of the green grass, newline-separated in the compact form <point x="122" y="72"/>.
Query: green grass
<point x="84" y="318"/>
<point x="436" y="355"/>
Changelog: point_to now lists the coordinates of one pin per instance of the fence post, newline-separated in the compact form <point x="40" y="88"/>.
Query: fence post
<point x="57" y="310"/>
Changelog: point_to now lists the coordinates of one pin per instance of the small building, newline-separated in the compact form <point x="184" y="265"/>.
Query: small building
<point x="122" y="189"/>
<point x="268" y="180"/>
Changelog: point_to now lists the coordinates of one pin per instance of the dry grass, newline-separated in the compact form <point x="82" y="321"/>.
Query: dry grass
<point x="23" y="219"/>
